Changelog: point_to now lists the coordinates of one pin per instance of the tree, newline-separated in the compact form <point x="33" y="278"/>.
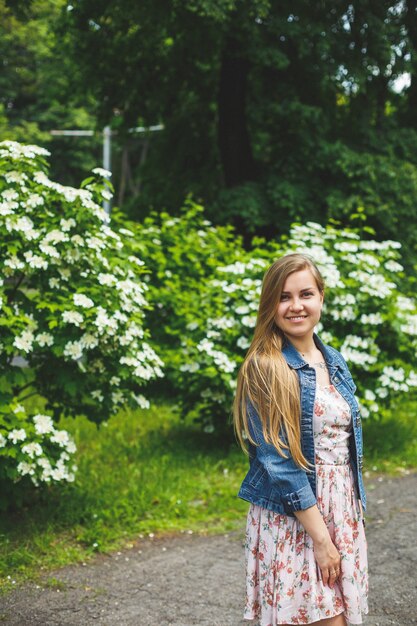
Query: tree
<point x="269" y="112"/>
<point x="37" y="88"/>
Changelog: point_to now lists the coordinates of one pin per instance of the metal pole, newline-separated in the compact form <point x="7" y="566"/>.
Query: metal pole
<point x="107" y="160"/>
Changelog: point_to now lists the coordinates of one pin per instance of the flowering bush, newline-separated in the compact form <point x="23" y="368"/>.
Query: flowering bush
<point x="207" y="293"/>
<point x="182" y="254"/>
<point x="72" y="302"/>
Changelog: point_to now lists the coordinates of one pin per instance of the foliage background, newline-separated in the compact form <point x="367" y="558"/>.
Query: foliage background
<point x="270" y="115"/>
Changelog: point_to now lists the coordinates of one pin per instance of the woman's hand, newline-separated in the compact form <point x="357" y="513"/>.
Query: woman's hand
<point x="325" y="552"/>
<point x="328" y="560"/>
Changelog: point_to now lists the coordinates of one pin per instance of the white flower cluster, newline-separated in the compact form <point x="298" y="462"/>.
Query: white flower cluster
<point x="90" y="298"/>
<point x="221" y="360"/>
<point x="373" y="284"/>
<point x="360" y="351"/>
<point x="395" y="379"/>
<point x="33" y="459"/>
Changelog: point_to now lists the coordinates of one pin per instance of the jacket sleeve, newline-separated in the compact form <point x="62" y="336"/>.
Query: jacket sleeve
<point x="286" y="477"/>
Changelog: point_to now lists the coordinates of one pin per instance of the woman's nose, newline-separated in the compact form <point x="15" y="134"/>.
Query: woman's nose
<point x="296" y="305"/>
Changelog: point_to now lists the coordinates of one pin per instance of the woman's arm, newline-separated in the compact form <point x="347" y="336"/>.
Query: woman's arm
<point x="325" y="552"/>
<point x="291" y="481"/>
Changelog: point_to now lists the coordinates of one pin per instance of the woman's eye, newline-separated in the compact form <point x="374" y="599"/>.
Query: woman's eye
<point x="308" y="293"/>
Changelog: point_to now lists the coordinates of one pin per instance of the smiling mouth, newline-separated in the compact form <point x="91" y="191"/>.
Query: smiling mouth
<point x="297" y="317"/>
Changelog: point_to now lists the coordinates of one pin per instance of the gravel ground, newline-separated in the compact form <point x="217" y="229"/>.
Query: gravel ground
<point x="190" y="580"/>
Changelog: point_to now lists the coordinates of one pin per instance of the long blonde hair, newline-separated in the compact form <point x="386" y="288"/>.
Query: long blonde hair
<point x="265" y="377"/>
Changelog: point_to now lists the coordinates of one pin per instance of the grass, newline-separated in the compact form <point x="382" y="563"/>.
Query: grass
<point x="145" y="472"/>
<point x="149" y="472"/>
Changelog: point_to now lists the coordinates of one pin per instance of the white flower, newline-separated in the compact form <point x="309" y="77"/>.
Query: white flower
<point x="373" y="319"/>
<point x="73" y="349"/>
<point x="77" y="240"/>
<point x="222" y="322"/>
<point x="15" y="177"/>
<point x="25" y="225"/>
<point x="346" y="246"/>
<point x="412" y="379"/>
<point x="104" y="322"/>
<point x="67" y="224"/>
<point x="142" y="401"/>
<point x="373" y="283"/>
<point x="106" y="194"/>
<point x="3" y="441"/>
<point x="390" y="377"/>
<point x="405" y="304"/>
<point x="53" y="283"/>
<point x="60" y="437"/>
<point x="100" y="171"/>
<point x="82" y="300"/>
<point x="16" y="151"/>
<point x="106" y="279"/>
<point x="369" y="395"/>
<point x="249" y="321"/>
<point x="32" y="449"/>
<point x="19" y="409"/>
<point x="33" y="201"/>
<point x="25" y="468"/>
<point x="190" y="367"/>
<point x="14" y="263"/>
<point x="117" y="397"/>
<point x="49" y="250"/>
<point x="393" y="266"/>
<point x="6" y="208"/>
<point x="44" y="339"/>
<point x="17" y="435"/>
<point x="25" y="341"/>
<point x="58" y="474"/>
<point x="10" y="194"/>
<point x="35" y="260"/>
<point x="235" y="268"/>
<point x="326" y="337"/>
<point x="43" y="424"/>
<point x="72" y="317"/>
<point x="71" y="447"/>
<point x="97" y="395"/>
<point x="89" y="341"/>
<point x="44" y="463"/>
<point x="243" y="343"/>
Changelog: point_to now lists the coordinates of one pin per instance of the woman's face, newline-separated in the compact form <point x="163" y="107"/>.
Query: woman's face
<point x="299" y="310"/>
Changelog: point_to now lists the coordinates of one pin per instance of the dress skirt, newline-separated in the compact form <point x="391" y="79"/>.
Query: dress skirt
<point x="283" y="581"/>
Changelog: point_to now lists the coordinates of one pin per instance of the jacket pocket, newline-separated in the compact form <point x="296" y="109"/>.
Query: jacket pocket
<point x="258" y="477"/>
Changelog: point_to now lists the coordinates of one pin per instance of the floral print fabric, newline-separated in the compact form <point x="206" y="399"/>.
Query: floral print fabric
<point x="283" y="581"/>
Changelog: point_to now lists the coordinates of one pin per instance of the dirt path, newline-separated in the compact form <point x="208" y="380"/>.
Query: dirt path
<point x="192" y="580"/>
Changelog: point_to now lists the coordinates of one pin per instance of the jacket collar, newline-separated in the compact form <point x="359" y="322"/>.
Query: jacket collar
<point x="295" y="360"/>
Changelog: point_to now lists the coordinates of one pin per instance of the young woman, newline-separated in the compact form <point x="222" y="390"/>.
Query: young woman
<point x="306" y="551"/>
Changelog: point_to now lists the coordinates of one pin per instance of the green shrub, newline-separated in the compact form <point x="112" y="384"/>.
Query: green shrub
<point x="72" y="302"/>
<point x="205" y="290"/>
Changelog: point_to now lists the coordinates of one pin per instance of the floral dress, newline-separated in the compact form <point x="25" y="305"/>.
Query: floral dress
<point x="283" y="581"/>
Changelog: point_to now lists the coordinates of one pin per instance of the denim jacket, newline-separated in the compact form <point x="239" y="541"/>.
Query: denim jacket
<point x="277" y="483"/>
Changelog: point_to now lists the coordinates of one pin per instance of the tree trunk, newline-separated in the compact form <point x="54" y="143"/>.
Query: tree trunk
<point x="411" y="25"/>
<point x="233" y="136"/>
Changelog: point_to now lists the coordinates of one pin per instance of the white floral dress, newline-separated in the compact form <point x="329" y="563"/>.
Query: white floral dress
<point x="283" y="581"/>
